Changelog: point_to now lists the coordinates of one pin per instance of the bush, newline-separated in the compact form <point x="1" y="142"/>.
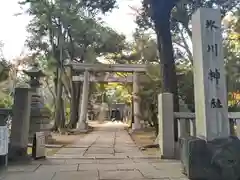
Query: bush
<point x="6" y="102"/>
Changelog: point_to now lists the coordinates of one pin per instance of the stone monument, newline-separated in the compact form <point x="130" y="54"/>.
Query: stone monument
<point x="20" y="125"/>
<point x="213" y="154"/>
<point x="40" y="116"/>
<point x="209" y="75"/>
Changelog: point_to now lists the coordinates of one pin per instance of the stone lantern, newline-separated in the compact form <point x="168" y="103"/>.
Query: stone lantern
<point x="40" y="116"/>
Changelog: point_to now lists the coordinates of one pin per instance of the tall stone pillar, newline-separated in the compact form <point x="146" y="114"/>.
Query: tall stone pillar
<point x="209" y="75"/>
<point x="82" y="125"/>
<point x="166" y="124"/>
<point x="20" y="124"/>
<point x="136" y="103"/>
<point x="103" y="111"/>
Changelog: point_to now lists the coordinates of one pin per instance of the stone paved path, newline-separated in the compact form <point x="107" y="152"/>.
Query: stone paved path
<point x="105" y="154"/>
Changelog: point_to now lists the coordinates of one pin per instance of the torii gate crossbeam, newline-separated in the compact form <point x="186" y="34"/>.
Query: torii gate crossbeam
<point x="109" y="67"/>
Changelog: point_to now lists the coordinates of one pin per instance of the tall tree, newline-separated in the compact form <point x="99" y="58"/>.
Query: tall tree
<point x="181" y="20"/>
<point x="69" y="30"/>
<point x="160" y="13"/>
<point x="157" y="15"/>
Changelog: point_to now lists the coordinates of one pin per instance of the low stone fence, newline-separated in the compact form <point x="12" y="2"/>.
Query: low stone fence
<point x="187" y="124"/>
<point x="169" y="146"/>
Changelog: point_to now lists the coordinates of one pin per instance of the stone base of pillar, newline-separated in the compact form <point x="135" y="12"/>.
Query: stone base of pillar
<point x="81" y="128"/>
<point x="16" y="154"/>
<point x="82" y="125"/>
<point x="136" y="126"/>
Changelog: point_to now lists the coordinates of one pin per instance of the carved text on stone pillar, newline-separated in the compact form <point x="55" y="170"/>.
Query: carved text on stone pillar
<point x="216" y="103"/>
<point x="211" y="24"/>
<point x="214" y="75"/>
<point x="213" y="49"/>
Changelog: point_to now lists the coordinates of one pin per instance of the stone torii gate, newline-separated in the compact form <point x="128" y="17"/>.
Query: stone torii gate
<point x="86" y="78"/>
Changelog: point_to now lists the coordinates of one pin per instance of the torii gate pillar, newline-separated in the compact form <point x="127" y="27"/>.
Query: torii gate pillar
<point x="82" y="125"/>
<point x="136" y="103"/>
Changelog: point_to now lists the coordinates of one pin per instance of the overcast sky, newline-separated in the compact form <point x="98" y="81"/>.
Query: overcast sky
<point x="13" y="29"/>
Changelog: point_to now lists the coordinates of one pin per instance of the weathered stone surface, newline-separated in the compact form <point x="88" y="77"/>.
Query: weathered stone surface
<point x="29" y="176"/>
<point x="49" y="162"/>
<point x="209" y="91"/>
<point x="72" y="150"/>
<point x="103" y="145"/>
<point x="75" y="165"/>
<point x="81" y="161"/>
<point x="102" y="156"/>
<point x="193" y="156"/>
<point x="115" y="161"/>
<point x="127" y="166"/>
<point x="21" y="168"/>
<point x="159" y="174"/>
<point x="78" y="145"/>
<point x="218" y="159"/>
<point x="20" y="125"/>
<point x="88" y="175"/>
<point x="40" y="116"/>
<point x="225" y="157"/>
<point x="105" y="167"/>
<point x="57" y="168"/>
<point x="121" y="155"/>
<point x="166" y="165"/>
<point x="100" y="151"/>
<point x="120" y="175"/>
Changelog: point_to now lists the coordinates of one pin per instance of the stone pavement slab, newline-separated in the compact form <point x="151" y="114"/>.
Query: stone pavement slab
<point x="105" y="154"/>
<point x="68" y="156"/>
<point x="85" y="175"/>
<point x="57" y="168"/>
<point x="98" y="150"/>
<point x="29" y="176"/>
<point x="106" y="167"/>
<point x="102" y="156"/>
<point x="51" y="161"/>
<point x="159" y="174"/>
<point x="115" y="161"/>
<point x="81" y="161"/>
<point x="78" y="145"/>
<point x="124" y="175"/>
<point x="72" y="150"/>
<point x="21" y="168"/>
<point x="131" y="166"/>
<point x="167" y="165"/>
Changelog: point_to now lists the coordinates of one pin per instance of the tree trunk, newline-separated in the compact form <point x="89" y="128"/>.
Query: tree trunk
<point x="58" y="115"/>
<point x="55" y="81"/>
<point x="75" y="99"/>
<point x="63" y="118"/>
<point x="161" y="16"/>
<point x="167" y="62"/>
